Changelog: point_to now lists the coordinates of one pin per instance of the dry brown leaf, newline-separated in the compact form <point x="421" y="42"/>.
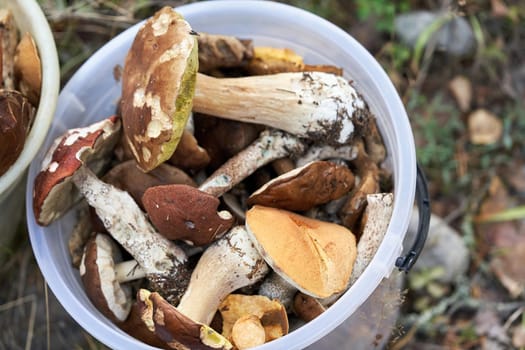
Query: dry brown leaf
<point x="461" y="89"/>
<point x="484" y="127"/>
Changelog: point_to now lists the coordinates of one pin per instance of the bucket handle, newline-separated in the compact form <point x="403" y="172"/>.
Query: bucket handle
<point x="405" y="263"/>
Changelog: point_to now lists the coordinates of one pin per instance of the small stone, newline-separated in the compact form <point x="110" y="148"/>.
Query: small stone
<point x="444" y="248"/>
<point x="455" y="37"/>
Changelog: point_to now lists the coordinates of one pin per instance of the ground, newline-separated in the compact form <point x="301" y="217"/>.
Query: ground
<point x="468" y="119"/>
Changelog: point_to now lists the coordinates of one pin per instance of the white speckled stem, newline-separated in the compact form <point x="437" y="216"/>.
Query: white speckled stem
<point x="377" y="213"/>
<point x="230" y="263"/>
<point x="312" y="104"/>
<point x="128" y="271"/>
<point x="128" y="225"/>
<point x="271" y="145"/>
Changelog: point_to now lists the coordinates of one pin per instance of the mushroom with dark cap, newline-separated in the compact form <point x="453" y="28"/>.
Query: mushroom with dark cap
<point x="303" y="188"/>
<point x="53" y="192"/>
<point x="174" y="328"/>
<point x="158" y="89"/>
<point x="164" y="263"/>
<point x="128" y="177"/>
<point x="230" y="263"/>
<point x="16" y="117"/>
<point x="103" y="274"/>
<point x="158" y="81"/>
<point x="184" y="212"/>
<point x="314" y="256"/>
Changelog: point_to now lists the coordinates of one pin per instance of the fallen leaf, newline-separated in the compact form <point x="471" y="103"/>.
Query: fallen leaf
<point x="507" y="261"/>
<point x="461" y="90"/>
<point x="484" y="127"/>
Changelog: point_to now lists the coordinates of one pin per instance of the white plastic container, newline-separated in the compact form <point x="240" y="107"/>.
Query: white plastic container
<point x="29" y="18"/>
<point x="93" y="92"/>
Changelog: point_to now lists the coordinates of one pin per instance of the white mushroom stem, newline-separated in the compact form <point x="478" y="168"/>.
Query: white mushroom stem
<point x="308" y="104"/>
<point x="277" y="288"/>
<point x="160" y="258"/>
<point x="377" y="215"/>
<point x="323" y="151"/>
<point x="128" y="271"/>
<point x="271" y="145"/>
<point x="230" y="263"/>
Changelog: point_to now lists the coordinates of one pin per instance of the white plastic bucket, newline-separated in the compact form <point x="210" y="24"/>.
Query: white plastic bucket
<point x="92" y="94"/>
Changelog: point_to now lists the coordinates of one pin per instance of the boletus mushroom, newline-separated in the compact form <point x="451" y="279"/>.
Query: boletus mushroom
<point x="187" y="213"/>
<point x="314" y="256"/>
<point x="174" y="328"/>
<point x="103" y="275"/>
<point x="303" y="188"/>
<point x="54" y="192"/>
<point x="157" y="95"/>
<point x="66" y="163"/>
<point x="16" y="117"/>
<point x="158" y="81"/>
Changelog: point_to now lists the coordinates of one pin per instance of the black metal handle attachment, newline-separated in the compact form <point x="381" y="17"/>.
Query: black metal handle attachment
<point x="405" y="263"/>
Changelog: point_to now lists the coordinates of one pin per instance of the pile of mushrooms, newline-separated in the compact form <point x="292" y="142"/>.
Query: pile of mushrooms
<point x="202" y="232"/>
<point x="20" y="83"/>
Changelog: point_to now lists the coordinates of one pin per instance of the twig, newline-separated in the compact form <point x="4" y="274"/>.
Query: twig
<point x="31" y="298"/>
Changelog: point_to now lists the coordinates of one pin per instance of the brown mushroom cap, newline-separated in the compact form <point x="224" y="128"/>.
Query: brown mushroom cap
<point x="53" y="192"/>
<point x="135" y="327"/>
<point x="97" y="270"/>
<point x="28" y="70"/>
<point x="272" y="314"/>
<point x="315" y="256"/>
<point x="307" y="307"/>
<point x="186" y="213"/>
<point x="128" y="177"/>
<point x="174" y="328"/>
<point x="158" y="83"/>
<point x="189" y="155"/>
<point x="16" y="116"/>
<point x="303" y="188"/>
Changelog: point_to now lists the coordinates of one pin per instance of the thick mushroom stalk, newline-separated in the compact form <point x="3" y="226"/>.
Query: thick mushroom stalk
<point x="271" y="145"/>
<point x="184" y="212"/>
<point x="320" y="106"/>
<point x="230" y="263"/>
<point x="162" y="260"/>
